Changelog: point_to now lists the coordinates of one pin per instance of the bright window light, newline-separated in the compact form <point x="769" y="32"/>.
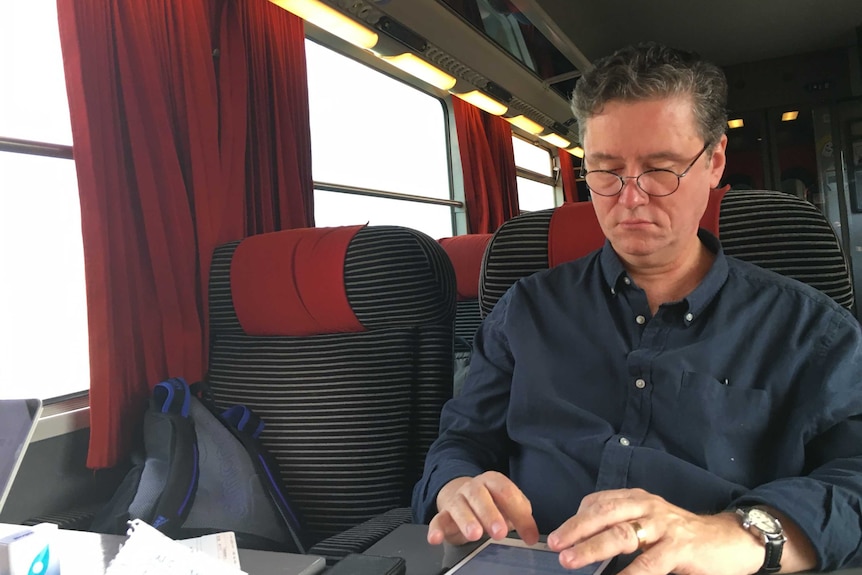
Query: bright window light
<point x="391" y="136"/>
<point x="33" y="104"/>
<point x="533" y="158"/>
<point x="44" y="344"/>
<point x="341" y="209"/>
<point x="44" y="347"/>
<point x="534" y="195"/>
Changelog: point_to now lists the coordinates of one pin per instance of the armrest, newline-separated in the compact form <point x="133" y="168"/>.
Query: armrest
<point x="359" y="538"/>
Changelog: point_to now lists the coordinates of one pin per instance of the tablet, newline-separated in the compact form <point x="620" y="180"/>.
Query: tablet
<point x="18" y="419"/>
<point x="514" y="557"/>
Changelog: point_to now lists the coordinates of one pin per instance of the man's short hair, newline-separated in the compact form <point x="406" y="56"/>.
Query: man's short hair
<point x="651" y="71"/>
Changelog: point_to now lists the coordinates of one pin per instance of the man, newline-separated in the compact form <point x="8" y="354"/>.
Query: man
<point x="647" y="396"/>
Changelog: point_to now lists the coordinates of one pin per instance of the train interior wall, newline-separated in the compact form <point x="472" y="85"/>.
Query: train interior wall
<point x="827" y="85"/>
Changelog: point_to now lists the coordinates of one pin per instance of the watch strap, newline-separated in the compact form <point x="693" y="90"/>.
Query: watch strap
<point x="772" y="561"/>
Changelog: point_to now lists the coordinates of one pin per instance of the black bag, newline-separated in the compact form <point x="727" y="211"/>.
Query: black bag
<point x="203" y="472"/>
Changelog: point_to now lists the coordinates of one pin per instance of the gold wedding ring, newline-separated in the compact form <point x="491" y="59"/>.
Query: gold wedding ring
<point x="640" y="533"/>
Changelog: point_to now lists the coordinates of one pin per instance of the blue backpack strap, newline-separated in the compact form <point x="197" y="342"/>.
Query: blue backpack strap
<point x="168" y="420"/>
<point x="244" y="419"/>
<point x="246" y="426"/>
<point x="172" y="396"/>
<point x="267" y="471"/>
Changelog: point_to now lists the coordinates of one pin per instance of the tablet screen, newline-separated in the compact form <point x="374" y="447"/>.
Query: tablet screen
<point x="512" y="557"/>
<point x="18" y="418"/>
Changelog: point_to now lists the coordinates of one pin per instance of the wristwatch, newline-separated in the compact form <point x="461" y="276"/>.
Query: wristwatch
<point x="768" y="528"/>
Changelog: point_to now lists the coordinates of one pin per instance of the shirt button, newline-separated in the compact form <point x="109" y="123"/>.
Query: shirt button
<point x="640" y="319"/>
<point x="613" y="291"/>
<point x="688" y="317"/>
<point x="640" y="384"/>
<point x="627" y="281"/>
<point x="624" y="441"/>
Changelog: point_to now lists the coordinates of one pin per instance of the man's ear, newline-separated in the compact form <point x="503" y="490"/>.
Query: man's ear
<point x="717" y="162"/>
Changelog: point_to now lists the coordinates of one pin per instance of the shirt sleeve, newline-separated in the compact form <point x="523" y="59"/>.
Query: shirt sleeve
<point x="826" y="501"/>
<point x="473" y="436"/>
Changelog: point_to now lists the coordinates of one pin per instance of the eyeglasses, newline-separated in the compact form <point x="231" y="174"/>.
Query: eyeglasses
<point x="658" y="182"/>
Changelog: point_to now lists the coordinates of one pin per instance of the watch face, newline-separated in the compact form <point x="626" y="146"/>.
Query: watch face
<point x="763" y="521"/>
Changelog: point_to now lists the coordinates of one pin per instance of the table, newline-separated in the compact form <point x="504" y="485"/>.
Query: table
<point x="409" y="541"/>
<point x="84" y="553"/>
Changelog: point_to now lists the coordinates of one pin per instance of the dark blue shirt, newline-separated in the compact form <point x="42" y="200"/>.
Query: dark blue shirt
<point x="747" y="391"/>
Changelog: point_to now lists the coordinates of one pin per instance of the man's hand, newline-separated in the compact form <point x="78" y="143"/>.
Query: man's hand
<point x="468" y="507"/>
<point x="672" y="540"/>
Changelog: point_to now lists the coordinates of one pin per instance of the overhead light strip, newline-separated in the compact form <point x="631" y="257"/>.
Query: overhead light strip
<point x="338" y="24"/>
<point x="556" y="140"/>
<point x="421" y="69"/>
<point x="526" y="124"/>
<point x="577" y="151"/>
<point x="484" y="102"/>
<point x="331" y="20"/>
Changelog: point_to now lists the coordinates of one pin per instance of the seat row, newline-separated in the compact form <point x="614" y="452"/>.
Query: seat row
<point x="342" y="339"/>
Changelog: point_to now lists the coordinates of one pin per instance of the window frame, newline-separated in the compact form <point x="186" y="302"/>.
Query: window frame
<point x="553" y="181"/>
<point x="456" y="193"/>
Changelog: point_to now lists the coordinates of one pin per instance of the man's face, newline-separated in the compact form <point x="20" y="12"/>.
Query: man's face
<point x="631" y="137"/>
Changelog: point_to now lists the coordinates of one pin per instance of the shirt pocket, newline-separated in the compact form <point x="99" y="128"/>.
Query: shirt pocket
<point x="722" y="428"/>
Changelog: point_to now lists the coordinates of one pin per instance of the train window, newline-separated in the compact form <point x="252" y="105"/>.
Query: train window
<point x="44" y="340"/>
<point x="379" y="148"/>
<point x="340" y="209"/>
<point x="535" y="179"/>
<point x="33" y="103"/>
<point x="533" y="195"/>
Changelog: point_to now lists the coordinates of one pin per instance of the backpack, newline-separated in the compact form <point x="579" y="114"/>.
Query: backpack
<point x="461" y="367"/>
<point x="203" y="471"/>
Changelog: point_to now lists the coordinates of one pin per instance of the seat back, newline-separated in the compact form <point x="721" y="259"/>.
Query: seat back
<point x="341" y="340"/>
<point x="466" y="253"/>
<point x="774" y="230"/>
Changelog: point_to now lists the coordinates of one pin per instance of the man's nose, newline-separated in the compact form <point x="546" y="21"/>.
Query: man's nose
<point x="631" y="195"/>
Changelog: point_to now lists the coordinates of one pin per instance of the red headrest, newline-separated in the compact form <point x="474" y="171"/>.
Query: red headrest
<point x="466" y="253"/>
<point x="292" y="282"/>
<point x="574" y="230"/>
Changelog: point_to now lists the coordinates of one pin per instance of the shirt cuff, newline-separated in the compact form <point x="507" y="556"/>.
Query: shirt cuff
<point x="425" y="497"/>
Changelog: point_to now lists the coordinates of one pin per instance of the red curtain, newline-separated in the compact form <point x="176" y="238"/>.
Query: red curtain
<point x="161" y="96"/>
<point x="488" y="163"/>
<point x="567" y="173"/>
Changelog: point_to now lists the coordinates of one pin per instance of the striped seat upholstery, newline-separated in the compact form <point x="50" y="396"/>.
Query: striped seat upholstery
<point x="776" y="231"/>
<point x="350" y="410"/>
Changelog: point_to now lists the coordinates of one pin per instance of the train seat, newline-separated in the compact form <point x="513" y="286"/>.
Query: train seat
<point x="466" y="253"/>
<point x="774" y="230"/>
<point x="341" y="340"/>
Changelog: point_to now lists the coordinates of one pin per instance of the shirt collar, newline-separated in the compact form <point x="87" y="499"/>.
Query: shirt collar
<point x="615" y="275"/>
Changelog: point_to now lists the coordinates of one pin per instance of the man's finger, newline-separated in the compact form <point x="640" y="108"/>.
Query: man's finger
<point x="443" y="528"/>
<point x="517" y="510"/>
<point x="617" y="539"/>
<point x="482" y="498"/>
<point x="659" y="559"/>
<point x="599" y="511"/>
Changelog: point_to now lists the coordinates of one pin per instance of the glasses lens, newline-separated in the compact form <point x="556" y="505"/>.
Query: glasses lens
<point x="603" y="183"/>
<point x="658" y="182"/>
